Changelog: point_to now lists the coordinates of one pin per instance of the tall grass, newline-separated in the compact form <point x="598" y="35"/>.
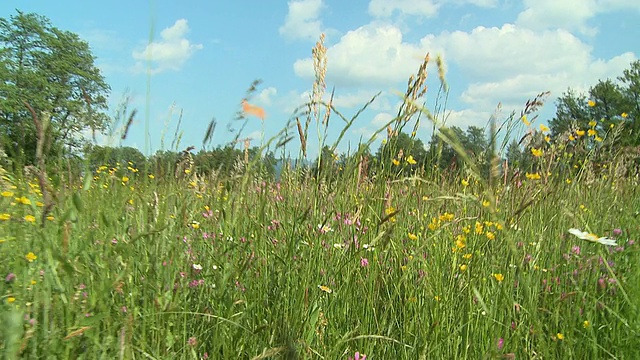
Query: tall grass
<point x="129" y="265"/>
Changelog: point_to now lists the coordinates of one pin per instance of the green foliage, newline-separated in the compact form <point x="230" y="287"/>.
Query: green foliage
<point x="54" y="72"/>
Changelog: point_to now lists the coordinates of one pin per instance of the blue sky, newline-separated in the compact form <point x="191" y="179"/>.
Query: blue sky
<point x="205" y="54"/>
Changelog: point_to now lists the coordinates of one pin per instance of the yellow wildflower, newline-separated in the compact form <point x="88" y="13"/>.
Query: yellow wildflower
<point x="5" y="217"/>
<point x="411" y="160"/>
<point x="6" y="194"/>
<point x="325" y="289"/>
<point x="591" y="103"/>
<point x="592" y="123"/>
<point x="543" y="128"/>
<point x="23" y="200"/>
<point x="624" y="115"/>
<point x="412" y="236"/>
<point x="498" y="277"/>
<point x="586" y="324"/>
<point x="560" y="336"/>
<point x="30" y="218"/>
<point x="580" y="133"/>
<point x="534" y="176"/>
<point x="463" y="267"/>
<point x="524" y="120"/>
<point x="31" y="257"/>
<point x="464" y="182"/>
<point x="395" y="162"/>
<point x="537" y="152"/>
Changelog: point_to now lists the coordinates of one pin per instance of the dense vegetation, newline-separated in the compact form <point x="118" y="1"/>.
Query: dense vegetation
<point x="459" y="247"/>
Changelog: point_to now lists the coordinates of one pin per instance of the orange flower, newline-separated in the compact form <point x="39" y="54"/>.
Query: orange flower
<point x="253" y="110"/>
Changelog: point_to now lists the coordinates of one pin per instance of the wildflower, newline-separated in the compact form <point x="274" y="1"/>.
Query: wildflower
<point x="463" y="267"/>
<point x="560" y="336"/>
<point x="490" y="235"/>
<point x="591" y="132"/>
<point x="412" y="236"/>
<point x="500" y="343"/>
<point x="617" y="232"/>
<point x="467" y="256"/>
<point x="364" y="262"/>
<point x="5" y="217"/>
<point x="591" y="103"/>
<point x="547" y="138"/>
<point x="580" y="133"/>
<point x="624" y="115"/>
<point x="543" y="128"/>
<point x="486" y="203"/>
<point x="358" y="356"/>
<point x="192" y="341"/>
<point x="197" y="267"/>
<point x="572" y="138"/>
<point x="534" y="176"/>
<point x="10" y="277"/>
<point x="11" y="300"/>
<point x="125" y="179"/>
<point x="498" y="277"/>
<point x="30" y="218"/>
<point x="6" y="194"/>
<point x="537" y="152"/>
<point x="524" y="120"/>
<point x="151" y="176"/>
<point x="31" y="257"/>
<point x="598" y="139"/>
<point x="592" y="237"/>
<point x="586" y="324"/>
<point x="464" y="182"/>
<point x="325" y="289"/>
<point x="411" y="160"/>
<point x="592" y="123"/>
<point x="23" y="200"/>
<point x="395" y="162"/>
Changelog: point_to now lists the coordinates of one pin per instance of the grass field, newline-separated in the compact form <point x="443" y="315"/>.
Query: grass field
<point x="128" y="264"/>
<point x="132" y="266"/>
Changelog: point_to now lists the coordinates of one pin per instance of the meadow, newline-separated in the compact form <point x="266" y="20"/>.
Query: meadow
<point x="124" y="263"/>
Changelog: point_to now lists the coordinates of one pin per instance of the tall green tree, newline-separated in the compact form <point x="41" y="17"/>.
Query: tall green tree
<point x="54" y="72"/>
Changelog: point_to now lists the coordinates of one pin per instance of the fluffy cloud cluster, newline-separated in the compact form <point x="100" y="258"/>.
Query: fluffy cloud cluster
<point x="171" y="51"/>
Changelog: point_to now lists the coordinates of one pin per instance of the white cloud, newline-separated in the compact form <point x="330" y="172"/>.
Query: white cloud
<point x="171" y="51"/>
<point x="569" y="14"/>
<point x="373" y="54"/>
<point x="265" y="96"/>
<point x="302" y="20"/>
<point x="420" y="8"/>
<point x="386" y="8"/>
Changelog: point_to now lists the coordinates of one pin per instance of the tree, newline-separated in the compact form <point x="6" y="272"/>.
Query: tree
<point x="53" y="71"/>
<point x="396" y="153"/>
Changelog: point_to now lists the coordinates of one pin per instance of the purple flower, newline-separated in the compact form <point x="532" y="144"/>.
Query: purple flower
<point x="10" y="277"/>
<point x="192" y="341"/>
<point x="500" y="343"/>
<point x="358" y="356"/>
<point x="617" y="232"/>
<point x="364" y="262"/>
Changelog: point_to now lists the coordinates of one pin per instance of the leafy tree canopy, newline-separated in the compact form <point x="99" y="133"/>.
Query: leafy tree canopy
<point x="54" y="72"/>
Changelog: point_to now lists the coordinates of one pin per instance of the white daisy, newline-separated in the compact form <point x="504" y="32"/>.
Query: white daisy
<point x="592" y="237"/>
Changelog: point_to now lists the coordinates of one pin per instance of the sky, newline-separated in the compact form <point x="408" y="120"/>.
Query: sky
<point x="185" y="63"/>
